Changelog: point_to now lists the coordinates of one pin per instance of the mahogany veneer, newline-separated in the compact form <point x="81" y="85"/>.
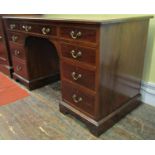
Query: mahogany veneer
<point x="100" y="62"/>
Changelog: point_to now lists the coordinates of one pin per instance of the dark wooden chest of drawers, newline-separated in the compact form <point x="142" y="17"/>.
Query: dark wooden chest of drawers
<point x="97" y="62"/>
<point x="5" y="62"/>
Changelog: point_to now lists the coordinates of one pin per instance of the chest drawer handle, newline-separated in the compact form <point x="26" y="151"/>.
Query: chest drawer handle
<point x="45" y="30"/>
<point x="76" y="99"/>
<point x="76" y="55"/>
<point x="12" y="26"/>
<point x="26" y="28"/>
<point x="76" y="76"/>
<point x="18" y="68"/>
<point x="14" y="38"/>
<point x="17" y="52"/>
<point x="1" y="38"/>
<point x="75" y="35"/>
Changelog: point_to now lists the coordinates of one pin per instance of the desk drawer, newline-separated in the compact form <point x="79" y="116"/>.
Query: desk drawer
<point x="78" y="98"/>
<point x="44" y="29"/>
<point x="79" y="75"/>
<point x="13" y="25"/>
<point x="16" y="37"/>
<point x="47" y="29"/>
<point x="28" y="27"/>
<point x="79" y="34"/>
<point x="18" y="51"/>
<point x="20" y="68"/>
<point x="79" y="53"/>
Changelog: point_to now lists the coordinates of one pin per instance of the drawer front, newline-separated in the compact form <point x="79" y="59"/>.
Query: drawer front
<point x="13" y="25"/>
<point x="79" y="75"/>
<point x="78" y="53"/>
<point x="43" y="29"/>
<point x="79" y="99"/>
<point x="20" y="68"/>
<point x="79" y="34"/>
<point x="27" y="27"/>
<point x="18" y="51"/>
<point x="47" y="30"/>
<point x="16" y="38"/>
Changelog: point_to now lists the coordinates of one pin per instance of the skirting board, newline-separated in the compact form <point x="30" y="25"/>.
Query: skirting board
<point x="148" y="93"/>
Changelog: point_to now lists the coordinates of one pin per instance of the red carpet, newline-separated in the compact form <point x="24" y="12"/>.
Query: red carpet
<point x="10" y="91"/>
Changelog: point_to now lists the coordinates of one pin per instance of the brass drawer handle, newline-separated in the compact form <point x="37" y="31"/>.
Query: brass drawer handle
<point x="76" y="76"/>
<point x="75" y="54"/>
<point x="45" y="30"/>
<point x="18" y="68"/>
<point x="75" y="35"/>
<point x="14" y="38"/>
<point x="17" y="52"/>
<point x="76" y="99"/>
<point x="26" y="28"/>
<point x="1" y="37"/>
<point x="12" y="26"/>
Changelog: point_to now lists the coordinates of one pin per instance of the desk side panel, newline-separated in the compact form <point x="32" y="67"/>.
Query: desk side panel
<point x="121" y="63"/>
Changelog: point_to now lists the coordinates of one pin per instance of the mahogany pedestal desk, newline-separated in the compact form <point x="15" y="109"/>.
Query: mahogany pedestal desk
<point x="100" y="63"/>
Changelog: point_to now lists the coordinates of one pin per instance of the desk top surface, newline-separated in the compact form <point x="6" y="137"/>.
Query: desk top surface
<point x="85" y="18"/>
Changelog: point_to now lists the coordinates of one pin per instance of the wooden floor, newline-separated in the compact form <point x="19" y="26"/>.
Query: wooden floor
<point x="38" y="117"/>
